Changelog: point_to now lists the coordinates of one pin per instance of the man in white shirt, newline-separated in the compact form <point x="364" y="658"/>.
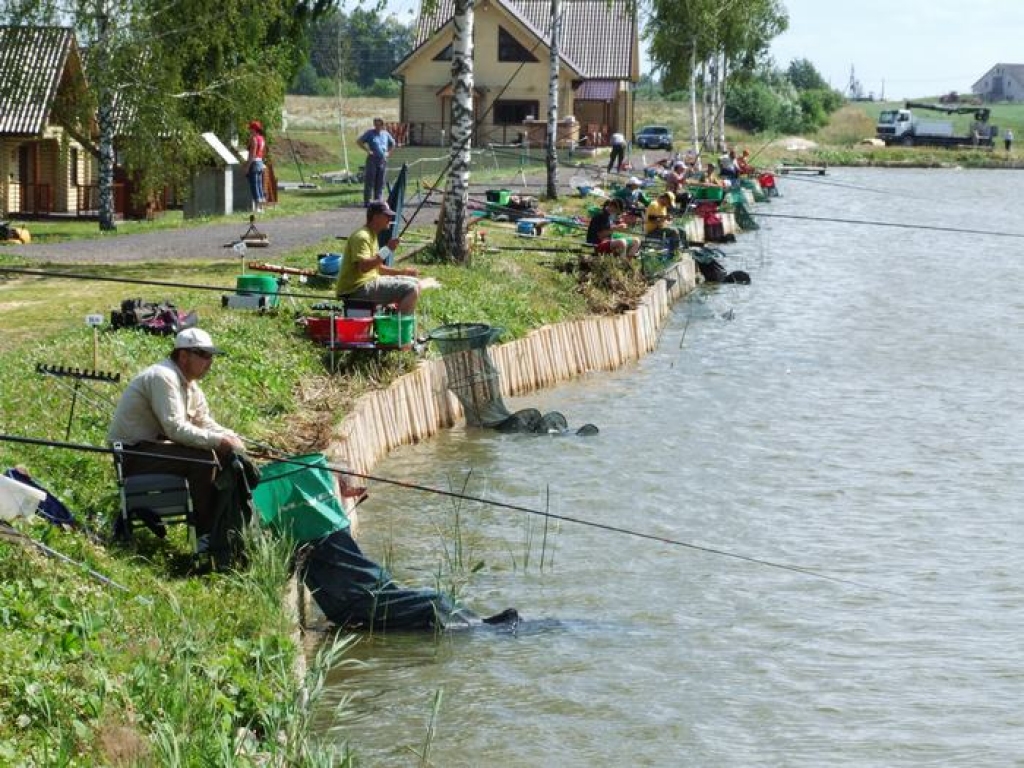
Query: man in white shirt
<point x="618" y="154"/>
<point x="164" y="424"/>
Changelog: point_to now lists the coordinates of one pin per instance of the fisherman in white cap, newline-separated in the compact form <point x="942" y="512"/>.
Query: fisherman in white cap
<point x="163" y="421"/>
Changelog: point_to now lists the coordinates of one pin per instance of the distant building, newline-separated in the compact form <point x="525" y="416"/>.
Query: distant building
<point x="1004" y="82"/>
<point x="45" y="167"/>
<point x="600" y="62"/>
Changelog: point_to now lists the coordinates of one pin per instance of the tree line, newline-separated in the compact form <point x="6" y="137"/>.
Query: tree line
<point x="352" y="54"/>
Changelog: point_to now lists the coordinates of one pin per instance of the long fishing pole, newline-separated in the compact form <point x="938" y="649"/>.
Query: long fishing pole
<point x="897" y="225"/>
<point x="98" y="449"/>
<point x="465" y="141"/>
<point x="285" y="459"/>
<point x="158" y="283"/>
<point x="862" y="188"/>
<point x="10" y="532"/>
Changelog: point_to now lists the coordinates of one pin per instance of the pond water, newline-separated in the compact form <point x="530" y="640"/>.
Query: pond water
<point x="856" y="412"/>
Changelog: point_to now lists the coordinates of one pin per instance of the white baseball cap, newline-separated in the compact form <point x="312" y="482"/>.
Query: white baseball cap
<point x="196" y="338"/>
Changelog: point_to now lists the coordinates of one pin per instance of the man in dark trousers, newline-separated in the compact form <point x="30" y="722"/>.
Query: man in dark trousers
<point x="164" y="424"/>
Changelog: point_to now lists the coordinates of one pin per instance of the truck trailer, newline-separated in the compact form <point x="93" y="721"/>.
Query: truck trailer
<point x="902" y="127"/>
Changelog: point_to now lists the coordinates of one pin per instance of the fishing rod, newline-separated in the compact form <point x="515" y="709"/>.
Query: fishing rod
<point x="465" y="141"/>
<point x="8" y="531"/>
<point x="97" y="449"/>
<point x="286" y="459"/>
<point x="862" y="188"/>
<point x="897" y="225"/>
<point x="158" y="283"/>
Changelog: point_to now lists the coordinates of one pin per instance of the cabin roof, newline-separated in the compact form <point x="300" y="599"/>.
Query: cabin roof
<point x="32" y="64"/>
<point x="599" y="37"/>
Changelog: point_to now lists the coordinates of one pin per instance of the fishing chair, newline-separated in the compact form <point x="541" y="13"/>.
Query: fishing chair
<point x="152" y="501"/>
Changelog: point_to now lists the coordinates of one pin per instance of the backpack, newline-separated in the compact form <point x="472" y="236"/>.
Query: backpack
<point x="163" y="319"/>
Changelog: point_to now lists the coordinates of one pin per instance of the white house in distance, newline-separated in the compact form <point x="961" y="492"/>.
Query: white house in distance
<point x="1004" y="82"/>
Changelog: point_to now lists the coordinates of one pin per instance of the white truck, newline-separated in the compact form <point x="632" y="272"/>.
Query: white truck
<point x="901" y="127"/>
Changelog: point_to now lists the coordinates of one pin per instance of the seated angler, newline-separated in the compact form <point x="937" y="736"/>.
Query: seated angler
<point x="165" y="426"/>
<point x="604" y="224"/>
<point x="657" y="225"/>
<point x="634" y="201"/>
<point x="364" y="274"/>
<point x="743" y="164"/>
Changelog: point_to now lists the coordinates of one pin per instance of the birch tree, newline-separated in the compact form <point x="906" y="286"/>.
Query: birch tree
<point x="451" y="240"/>
<point x="720" y="39"/>
<point x="552" y="146"/>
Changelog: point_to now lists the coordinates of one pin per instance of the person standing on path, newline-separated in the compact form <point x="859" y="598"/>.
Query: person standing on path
<point x="618" y="142"/>
<point x="1008" y="140"/>
<point x="377" y="143"/>
<point x="255" y="167"/>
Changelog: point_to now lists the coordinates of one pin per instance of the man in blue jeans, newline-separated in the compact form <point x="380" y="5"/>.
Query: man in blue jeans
<point x="377" y="143"/>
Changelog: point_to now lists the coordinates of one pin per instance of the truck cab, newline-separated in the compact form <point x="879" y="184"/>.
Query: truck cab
<point x="893" y="123"/>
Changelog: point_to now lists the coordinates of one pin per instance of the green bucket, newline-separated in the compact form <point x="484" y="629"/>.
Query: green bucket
<point x="714" y="194"/>
<point x="266" y="284"/>
<point x="394" y="330"/>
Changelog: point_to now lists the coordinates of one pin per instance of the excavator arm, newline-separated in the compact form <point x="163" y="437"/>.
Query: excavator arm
<point x="981" y="114"/>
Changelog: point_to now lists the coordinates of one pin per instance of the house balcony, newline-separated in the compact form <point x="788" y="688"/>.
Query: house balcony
<point x="529" y="133"/>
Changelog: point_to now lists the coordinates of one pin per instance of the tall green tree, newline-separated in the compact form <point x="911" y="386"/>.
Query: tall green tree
<point x="360" y="47"/>
<point x="701" y="44"/>
<point x="804" y="76"/>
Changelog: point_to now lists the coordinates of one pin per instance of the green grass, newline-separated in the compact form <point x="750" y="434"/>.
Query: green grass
<point x="169" y="673"/>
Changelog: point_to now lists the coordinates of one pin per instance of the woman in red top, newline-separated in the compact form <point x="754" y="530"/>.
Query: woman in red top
<point x="256" y="167"/>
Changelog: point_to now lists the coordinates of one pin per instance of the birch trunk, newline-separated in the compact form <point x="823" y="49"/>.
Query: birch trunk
<point x="722" y="73"/>
<point x="552" y="154"/>
<point x="456" y="200"/>
<point x="694" y="128"/>
<point x="105" y="118"/>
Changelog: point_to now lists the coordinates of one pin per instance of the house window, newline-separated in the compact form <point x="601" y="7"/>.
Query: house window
<point x="514" y="112"/>
<point x="445" y="55"/>
<point x="73" y="162"/>
<point x="510" y="49"/>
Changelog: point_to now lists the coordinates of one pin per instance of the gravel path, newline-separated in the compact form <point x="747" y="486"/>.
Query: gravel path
<point x="286" y="233"/>
<point x="203" y="242"/>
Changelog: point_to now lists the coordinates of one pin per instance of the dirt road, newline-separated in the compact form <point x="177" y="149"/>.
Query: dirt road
<point x="204" y="242"/>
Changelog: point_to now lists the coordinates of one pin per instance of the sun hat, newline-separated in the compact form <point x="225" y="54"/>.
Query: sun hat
<point x="196" y="338"/>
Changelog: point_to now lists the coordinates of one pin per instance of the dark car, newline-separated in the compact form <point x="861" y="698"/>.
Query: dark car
<point x="654" y="137"/>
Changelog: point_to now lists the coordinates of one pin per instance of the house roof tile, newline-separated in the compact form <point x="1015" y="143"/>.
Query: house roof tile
<point x="598" y="36"/>
<point x="32" y="61"/>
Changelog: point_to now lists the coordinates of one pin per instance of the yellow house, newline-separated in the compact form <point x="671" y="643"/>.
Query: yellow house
<point x="599" y="62"/>
<point x="44" y="169"/>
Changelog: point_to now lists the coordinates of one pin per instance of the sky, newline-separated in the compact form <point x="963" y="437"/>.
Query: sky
<point x="910" y="49"/>
<point x="901" y="50"/>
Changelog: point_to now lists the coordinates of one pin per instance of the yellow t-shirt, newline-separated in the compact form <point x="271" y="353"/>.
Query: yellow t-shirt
<point x="361" y="246"/>
<point x="654" y="211"/>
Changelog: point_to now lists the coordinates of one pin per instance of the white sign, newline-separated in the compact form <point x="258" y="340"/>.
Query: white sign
<point x="94" y="320"/>
<point x="239" y="248"/>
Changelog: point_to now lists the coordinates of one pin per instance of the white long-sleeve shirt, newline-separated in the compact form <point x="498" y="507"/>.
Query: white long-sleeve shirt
<point x="159" y="404"/>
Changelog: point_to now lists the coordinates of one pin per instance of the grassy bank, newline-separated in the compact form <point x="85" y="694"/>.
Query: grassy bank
<point x="183" y="668"/>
